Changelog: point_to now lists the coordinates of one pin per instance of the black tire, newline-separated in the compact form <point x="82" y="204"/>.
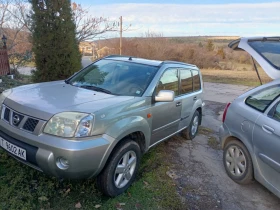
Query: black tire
<point x="105" y="181"/>
<point x="187" y="133"/>
<point x="247" y="175"/>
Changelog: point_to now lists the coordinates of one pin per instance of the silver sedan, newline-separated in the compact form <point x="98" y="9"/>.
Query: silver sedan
<point x="250" y="134"/>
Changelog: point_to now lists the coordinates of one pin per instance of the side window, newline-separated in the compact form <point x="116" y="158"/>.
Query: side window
<point x="276" y="114"/>
<point x="186" y="81"/>
<point x="169" y="81"/>
<point x="196" y="80"/>
<point x="262" y="99"/>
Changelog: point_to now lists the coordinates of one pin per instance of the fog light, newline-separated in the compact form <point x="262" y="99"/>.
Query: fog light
<point x="62" y="163"/>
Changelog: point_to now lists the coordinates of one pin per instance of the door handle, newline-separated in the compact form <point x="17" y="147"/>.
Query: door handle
<point x="268" y="129"/>
<point x="194" y="98"/>
<point x="178" y="104"/>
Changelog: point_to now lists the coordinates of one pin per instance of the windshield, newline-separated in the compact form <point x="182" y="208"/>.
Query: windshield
<point x="115" y="77"/>
<point x="269" y="50"/>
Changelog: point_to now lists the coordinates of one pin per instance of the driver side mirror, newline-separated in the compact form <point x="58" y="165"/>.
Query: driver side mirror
<point x="165" y="96"/>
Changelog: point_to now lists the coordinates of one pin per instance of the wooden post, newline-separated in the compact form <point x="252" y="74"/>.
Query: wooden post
<point x="121" y="35"/>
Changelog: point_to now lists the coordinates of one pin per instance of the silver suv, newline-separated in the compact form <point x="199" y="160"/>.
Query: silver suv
<point x="101" y="120"/>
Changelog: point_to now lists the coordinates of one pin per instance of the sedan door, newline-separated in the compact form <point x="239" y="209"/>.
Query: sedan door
<point x="266" y="139"/>
<point x="166" y="115"/>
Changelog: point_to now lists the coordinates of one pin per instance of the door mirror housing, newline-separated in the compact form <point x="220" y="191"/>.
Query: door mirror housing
<point x="165" y="96"/>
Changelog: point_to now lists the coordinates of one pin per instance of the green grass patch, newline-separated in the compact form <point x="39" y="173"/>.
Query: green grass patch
<point x="205" y="131"/>
<point x="22" y="187"/>
<point x="212" y="142"/>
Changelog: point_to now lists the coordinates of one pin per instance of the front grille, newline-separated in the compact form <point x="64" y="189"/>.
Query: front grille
<point x="21" y="121"/>
<point x="30" y="124"/>
<point x="7" y="114"/>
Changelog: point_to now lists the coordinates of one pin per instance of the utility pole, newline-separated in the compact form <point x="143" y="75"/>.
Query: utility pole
<point x="121" y="35"/>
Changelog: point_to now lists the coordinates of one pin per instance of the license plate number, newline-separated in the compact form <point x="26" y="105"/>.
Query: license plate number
<point x="13" y="149"/>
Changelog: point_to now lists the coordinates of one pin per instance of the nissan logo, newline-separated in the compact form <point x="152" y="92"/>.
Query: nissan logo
<point x="16" y="119"/>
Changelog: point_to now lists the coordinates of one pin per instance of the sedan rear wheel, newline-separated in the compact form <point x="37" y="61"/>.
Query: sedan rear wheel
<point x="237" y="162"/>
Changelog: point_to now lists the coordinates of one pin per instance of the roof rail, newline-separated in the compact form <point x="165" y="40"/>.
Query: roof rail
<point x="120" y="56"/>
<point x="177" y="62"/>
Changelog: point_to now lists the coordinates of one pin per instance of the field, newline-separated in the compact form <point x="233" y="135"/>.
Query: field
<point x="248" y="78"/>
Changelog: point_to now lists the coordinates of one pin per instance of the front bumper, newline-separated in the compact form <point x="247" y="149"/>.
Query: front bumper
<point x="85" y="157"/>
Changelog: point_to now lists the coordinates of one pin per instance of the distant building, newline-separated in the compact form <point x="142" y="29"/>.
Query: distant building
<point x="104" y="51"/>
<point x="88" y="48"/>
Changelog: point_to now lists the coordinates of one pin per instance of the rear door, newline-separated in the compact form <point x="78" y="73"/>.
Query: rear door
<point x="190" y="85"/>
<point x="266" y="134"/>
<point x="265" y="50"/>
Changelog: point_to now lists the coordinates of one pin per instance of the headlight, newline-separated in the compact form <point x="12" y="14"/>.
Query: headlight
<point x="70" y="124"/>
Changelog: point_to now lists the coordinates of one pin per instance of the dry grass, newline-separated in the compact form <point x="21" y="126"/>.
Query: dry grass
<point x="248" y="78"/>
<point x="223" y="37"/>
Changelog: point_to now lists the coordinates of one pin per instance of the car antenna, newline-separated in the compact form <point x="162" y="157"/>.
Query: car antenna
<point x="130" y="58"/>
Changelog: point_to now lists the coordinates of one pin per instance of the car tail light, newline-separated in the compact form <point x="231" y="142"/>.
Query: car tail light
<point x="225" y="112"/>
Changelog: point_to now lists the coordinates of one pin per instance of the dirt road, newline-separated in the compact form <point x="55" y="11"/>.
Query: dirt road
<point x="198" y="169"/>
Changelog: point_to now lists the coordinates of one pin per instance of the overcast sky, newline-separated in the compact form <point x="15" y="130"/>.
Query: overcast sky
<point x="189" y="18"/>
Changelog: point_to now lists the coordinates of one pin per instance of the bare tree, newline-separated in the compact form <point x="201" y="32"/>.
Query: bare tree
<point x="14" y="25"/>
<point x="88" y="27"/>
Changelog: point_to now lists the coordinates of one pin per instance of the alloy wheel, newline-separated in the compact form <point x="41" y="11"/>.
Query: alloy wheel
<point x="125" y="169"/>
<point x="194" y="125"/>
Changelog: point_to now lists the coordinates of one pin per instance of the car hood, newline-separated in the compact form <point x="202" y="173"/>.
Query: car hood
<point x="43" y="100"/>
<point x="265" y="50"/>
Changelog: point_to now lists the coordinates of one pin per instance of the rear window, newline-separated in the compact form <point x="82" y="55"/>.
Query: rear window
<point x="196" y="80"/>
<point x="186" y="81"/>
<point x="269" y="50"/>
<point x="262" y="99"/>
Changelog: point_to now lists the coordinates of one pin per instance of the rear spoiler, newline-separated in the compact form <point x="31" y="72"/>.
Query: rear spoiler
<point x="234" y="45"/>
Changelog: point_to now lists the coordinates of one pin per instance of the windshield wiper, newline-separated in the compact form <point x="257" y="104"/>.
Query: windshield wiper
<point x="99" y="89"/>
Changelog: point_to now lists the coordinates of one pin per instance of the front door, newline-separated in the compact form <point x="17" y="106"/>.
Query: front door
<point x="266" y="139"/>
<point x="166" y="115"/>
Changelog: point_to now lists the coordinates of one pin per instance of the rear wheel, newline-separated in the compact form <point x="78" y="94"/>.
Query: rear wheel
<point x="120" y="170"/>
<point x="238" y="162"/>
<point x="192" y="129"/>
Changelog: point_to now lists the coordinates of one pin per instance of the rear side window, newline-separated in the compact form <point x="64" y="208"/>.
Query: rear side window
<point x="196" y="80"/>
<point x="269" y="50"/>
<point x="262" y="99"/>
<point x="276" y="114"/>
<point x="186" y="81"/>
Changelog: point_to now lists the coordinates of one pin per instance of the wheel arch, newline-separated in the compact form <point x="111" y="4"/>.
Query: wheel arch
<point x="136" y="136"/>
<point x="199" y="109"/>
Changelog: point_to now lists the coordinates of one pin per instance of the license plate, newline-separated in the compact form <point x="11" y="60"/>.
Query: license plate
<point x="13" y="149"/>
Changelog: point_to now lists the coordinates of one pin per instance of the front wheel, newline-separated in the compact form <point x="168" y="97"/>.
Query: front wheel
<point x="191" y="131"/>
<point x="120" y="170"/>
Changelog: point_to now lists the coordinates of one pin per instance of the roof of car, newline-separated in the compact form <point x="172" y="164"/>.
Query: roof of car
<point x="234" y="44"/>
<point x="144" y="61"/>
